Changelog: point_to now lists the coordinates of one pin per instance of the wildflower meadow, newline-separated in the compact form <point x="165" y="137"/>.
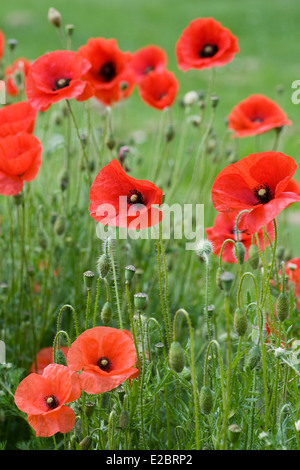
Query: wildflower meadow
<point x="149" y="228"/>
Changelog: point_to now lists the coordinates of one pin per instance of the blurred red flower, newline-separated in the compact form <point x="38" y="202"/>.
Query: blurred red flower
<point x="56" y="76"/>
<point x="255" y="115"/>
<point x="259" y="183"/>
<point x="225" y="228"/>
<point x="119" y="200"/>
<point x="15" y="75"/>
<point x="109" y="76"/>
<point x="159" y="89"/>
<point x="17" y="117"/>
<point x="148" y="59"/>
<point x="204" y="44"/>
<point x="45" y="357"/>
<point x="42" y="398"/>
<point x="106" y="358"/>
<point x="20" y="160"/>
<point x="2" y="42"/>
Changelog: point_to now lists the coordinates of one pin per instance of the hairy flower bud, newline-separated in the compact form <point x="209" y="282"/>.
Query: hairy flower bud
<point x="240" y="322"/>
<point x="206" y="400"/>
<point x="176" y="356"/>
<point x="103" y="265"/>
<point x="106" y="312"/>
<point x="282" y="306"/>
<point x="253" y="256"/>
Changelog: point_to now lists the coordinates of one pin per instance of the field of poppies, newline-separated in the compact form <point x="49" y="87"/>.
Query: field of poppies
<point x="149" y="218"/>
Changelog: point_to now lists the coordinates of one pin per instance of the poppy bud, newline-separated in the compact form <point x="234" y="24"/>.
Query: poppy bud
<point x="282" y="306"/>
<point x="60" y="225"/>
<point x="186" y="373"/>
<point x="85" y="444"/>
<point x="253" y="358"/>
<point x="226" y="279"/>
<point x="60" y="357"/>
<point x="64" y="179"/>
<point x="88" y="279"/>
<point x="106" y="312"/>
<point x="42" y="239"/>
<point x="140" y="300"/>
<point x="253" y="256"/>
<point x="170" y="133"/>
<point x="176" y="356"/>
<point x="234" y="432"/>
<point x="203" y="249"/>
<point x="54" y="17"/>
<point x="129" y="272"/>
<point x="12" y="44"/>
<point x="214" y="100"/>
<point x="124" y="419"/>
<point x="220" y="271"/>
<point x="240" y="322"/>
<point x="103" y="265"/>
<point x="206" y="400"/>
<point x="240" y="251"/>
<point x="110" y="142"/>
<point x="70" y="29"/>
<point x="190" y="98"/>
<point x="89" y="407"/>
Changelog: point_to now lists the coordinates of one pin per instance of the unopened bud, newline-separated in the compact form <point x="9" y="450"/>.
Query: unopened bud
<point x="110" y="142"/>
<point x="282" y="306"/>
<point x="253" y="358"/>
<point x="240" y="322"/>
<point x="54" y="17"/>
<point x="60" y="357"/>
<point x="240" y="251"/>
<point x="103" y="265"/>
<point x="124" y="419"/>
<point x="253" y="256"/>
<point x="203" y="249"/>
<point x="176" y="357"/>
<point x="206" y="399"/>
<point x="85" y="444"/>
<point x="106" y="312"/>
<point x="60" y="225"/>
<point x="170" y="133"/>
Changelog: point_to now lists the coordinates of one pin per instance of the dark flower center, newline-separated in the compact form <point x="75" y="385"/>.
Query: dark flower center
<point x="263" y="193"/>
<point x="61" y="83"/>
<point x="51" y="401"/>
<point x="108" y="71"/>
<point x="208" y="50"/>
<point x="104" y="363"/>
<point x="148" y="69"/>
<point x="135" y="197"/>
<point x="257" y="119"/>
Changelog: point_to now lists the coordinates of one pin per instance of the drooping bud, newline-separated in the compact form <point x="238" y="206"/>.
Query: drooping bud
<point x="253" y="358"/>
<point x="88" y="279"/>
<point x="60" y="357"/>
<point x="176" y="357"/>
<point x="124" y="419"/>
<point x="60" y="225"/>
<point x="253" y="256"/>
<point x="42" y="239"/>
<point x="129" y="272"/>
<point x="54" y="17"/>
<point x="234" y="432"/>
<point x="240" y="251"/>
<point x="240" y="321"/>
<point x="203" y="249"/>
<point x="283" y="306"/>
<point x="220" y="271"/>
<point x="140" y="300"/>
<point x="64" y="179"/>
<point x="214" y="100"/>
<point x="103" y="265"/>
<point x="86" y="442"/>
<point x="106" y="312"/>
<point x="170" y="133"/>
<point x="206" y="400"/>
<point x="110" y="142"/>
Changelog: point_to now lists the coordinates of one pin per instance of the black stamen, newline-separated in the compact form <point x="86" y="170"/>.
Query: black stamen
<point x="135" y="197"/>
<point x="108" y="71"/>
<point x="51" y="401"/>
<point x="208" y="50"/>
<point x="263" y="193"/>
<point x="61" y="83"/>
<point x="104" y="363"/>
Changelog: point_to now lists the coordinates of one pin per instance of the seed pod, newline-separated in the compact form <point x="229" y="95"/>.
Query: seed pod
<point x="282" y="306"/>
<point x="88" y="279"/>
<point x="129" y="272"/>
<point x="253" y="358"/>
<point x="103" y="265"/>
<point x="106" y="312"/>
<point x="176" y="357"/>
<point x="226" y="279"/>
<point x="253" y="256"/>
<point x="124" y="419"/>
<point x="140" y="300"/>
<point x="89" y="407"/>
<point x="240" y="322"/>
<point x="241" y="251"/>
<point x="206" y="399"/>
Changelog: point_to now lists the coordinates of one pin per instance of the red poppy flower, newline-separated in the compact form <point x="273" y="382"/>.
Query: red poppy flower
<point x="225" y="228"/>
<point x="109" y="76"/>
<point x="56" y="76"/>
<point x="148" y="59"/>
<point x="20" y="67"/>
<point x="17" y="117"/>
<point x="118" y="200"/>
<point x="106" y="356"/>
<point x="159" y="89"/>
<point x="45" y="357"/>
<point x="43" y="398"/>
<point x="2" y="42"/>
<point x="259" y="182"/>
<point x="204" y="44"/>
<point x="20" y="160"/>
<point x="255" y="115"/>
